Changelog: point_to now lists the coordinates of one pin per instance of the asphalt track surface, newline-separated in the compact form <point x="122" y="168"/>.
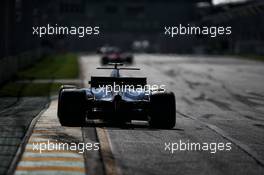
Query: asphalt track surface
<point x="219" y="100"/>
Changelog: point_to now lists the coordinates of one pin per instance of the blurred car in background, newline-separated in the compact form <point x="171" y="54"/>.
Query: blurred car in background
<point x="114" y="55"/>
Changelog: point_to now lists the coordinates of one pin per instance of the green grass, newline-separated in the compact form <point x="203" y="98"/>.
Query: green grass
<point x="29" y="89"/>
<point x="252" y="57"/>
<point x="257" y="57"/>
<point x="59" y="66"/>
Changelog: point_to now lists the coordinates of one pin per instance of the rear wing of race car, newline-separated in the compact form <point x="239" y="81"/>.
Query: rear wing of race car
<point x="104" y="81"/>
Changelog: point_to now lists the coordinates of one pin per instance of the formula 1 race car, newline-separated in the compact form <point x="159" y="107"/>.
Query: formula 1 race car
<point x="114" y="54"/>
<point x="113" y="99"/>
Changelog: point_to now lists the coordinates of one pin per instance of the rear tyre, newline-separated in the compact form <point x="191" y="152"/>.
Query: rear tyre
<point x="162" y="112"/>
<point x="71" y="107"/>
<point x="104" y="61"/>
<point x="129" y="60"/>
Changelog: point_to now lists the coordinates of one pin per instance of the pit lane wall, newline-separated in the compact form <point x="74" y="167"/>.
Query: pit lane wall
<point x="18" y="48"/>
